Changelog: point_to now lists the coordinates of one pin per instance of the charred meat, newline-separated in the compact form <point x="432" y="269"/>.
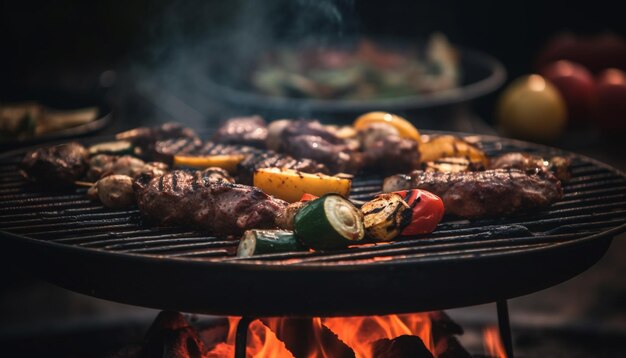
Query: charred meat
<point x="195" y="198"/>
<point x="488" y="193"/>
<point x="144" y="138"/>
<point x="59" y="165"/>
<point x="311" y="140"/>
<point x="532" y="163"/>
<point x="243" y="130"/>
<point x="270" y="159"/>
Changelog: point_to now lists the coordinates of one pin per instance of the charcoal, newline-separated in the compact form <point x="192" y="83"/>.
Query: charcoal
<point x="170" y="336"/>
<point x="400" y="347"/>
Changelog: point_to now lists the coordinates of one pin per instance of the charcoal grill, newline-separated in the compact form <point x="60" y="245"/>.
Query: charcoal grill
<point x="78" y="244"/>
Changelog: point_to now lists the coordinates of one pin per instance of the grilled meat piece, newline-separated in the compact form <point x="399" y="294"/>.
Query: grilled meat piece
<point x="145" y="138"/>
<point x="488" y="193"/>
<point x="312" y="128"/>
<point x="533" y="163"/>
<point x="59" y="165"/>
<point x="164" y="150"/>
<point x="318" y="149"/>
<point x="197" y="199"/>
<point x="392" y="154"/>
<point x="146" y="135"/>
<point x="242" y="130"/>
<point x="270" y="159"/>
<point x="102" y="165"/>
<point x="310" y="139"/>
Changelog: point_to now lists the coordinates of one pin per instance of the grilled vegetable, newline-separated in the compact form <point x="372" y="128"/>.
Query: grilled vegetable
<point x="308" y="197"/>
<point x="448" y="146"/>
<point x="330" y="222"/>
<point x="426" y="211"/>
<point x="452" y="165"/>
<point x="404" y="127"/>
<point x="258" y="242"/>
<point x="114" y="191"/>
<point x="290" y="185"/>
<point x="385" y="216"/>
<point x="120" y="147"/>
<point x="228" y="162"/>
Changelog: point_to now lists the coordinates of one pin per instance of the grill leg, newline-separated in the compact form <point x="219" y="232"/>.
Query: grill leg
<point x="241" y="337"/>
<point x="505" y="327"/>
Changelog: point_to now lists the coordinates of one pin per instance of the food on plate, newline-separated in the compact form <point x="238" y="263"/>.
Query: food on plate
<point x="290" y="185"/>
<point x="532" y="108"/>
<point x="427" y="210"/>
<point x="385" y="216"/>
<point x="228" y="162"/>
<point x="200" y="200"/>
<point x="576" y="84"/>
<point x="58" y="165"/>
<point x="242" y="130"/>
<point x="449" y="146"/>
<point x="259" y="242"/>
<point x="481" y="194"/>
<point x="31" y="119"/>
<point x="114" y="191"/>
<point x="329" y="222"/>
<point x="368" y="71"/>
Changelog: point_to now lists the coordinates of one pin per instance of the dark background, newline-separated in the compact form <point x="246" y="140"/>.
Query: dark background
<point x="40" y="40"/>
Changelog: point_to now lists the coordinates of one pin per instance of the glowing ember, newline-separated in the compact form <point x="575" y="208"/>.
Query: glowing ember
<point x="493" y="343"/>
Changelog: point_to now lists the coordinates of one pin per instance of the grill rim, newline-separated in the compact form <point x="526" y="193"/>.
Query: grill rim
<point x="229" y="272"/>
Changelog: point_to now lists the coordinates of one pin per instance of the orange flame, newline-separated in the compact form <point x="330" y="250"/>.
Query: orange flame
<point x="359" y="333"/>
<point x="493" y="343"/>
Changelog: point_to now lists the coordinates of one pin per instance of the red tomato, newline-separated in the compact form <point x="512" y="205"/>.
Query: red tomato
<point x="610" y="106"/>
<point x="308" y="197"/>
<point x="427" y="211"/>
<point x="575" y="84"/>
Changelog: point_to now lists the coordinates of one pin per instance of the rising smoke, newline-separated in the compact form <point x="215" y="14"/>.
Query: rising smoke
<point x="174" y="68"/>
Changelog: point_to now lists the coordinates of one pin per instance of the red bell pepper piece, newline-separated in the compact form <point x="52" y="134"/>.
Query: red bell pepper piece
<point x="427" y="211"/>
<point x="308" y="197"/>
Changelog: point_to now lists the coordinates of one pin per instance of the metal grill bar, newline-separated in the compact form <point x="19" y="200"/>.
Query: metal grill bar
<point x="594" y="200"/>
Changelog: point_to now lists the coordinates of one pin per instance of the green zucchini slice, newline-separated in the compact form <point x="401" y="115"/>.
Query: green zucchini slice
<point x="258" y="242"/>
<point x="328" y="223"/>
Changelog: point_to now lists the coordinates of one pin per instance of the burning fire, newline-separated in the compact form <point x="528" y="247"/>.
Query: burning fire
<point x="493" y="343"/>
<point x="271" y="337"/>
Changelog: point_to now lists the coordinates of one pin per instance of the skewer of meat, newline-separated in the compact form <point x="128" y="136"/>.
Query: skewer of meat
<point x="489" y="193"/>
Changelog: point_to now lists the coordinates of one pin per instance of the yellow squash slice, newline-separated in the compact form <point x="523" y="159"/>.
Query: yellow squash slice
<point x="290" y="185"/>
<point x="404" y="127"/>
<point x="227" y="162"/>
<point x="448" y="146"/>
